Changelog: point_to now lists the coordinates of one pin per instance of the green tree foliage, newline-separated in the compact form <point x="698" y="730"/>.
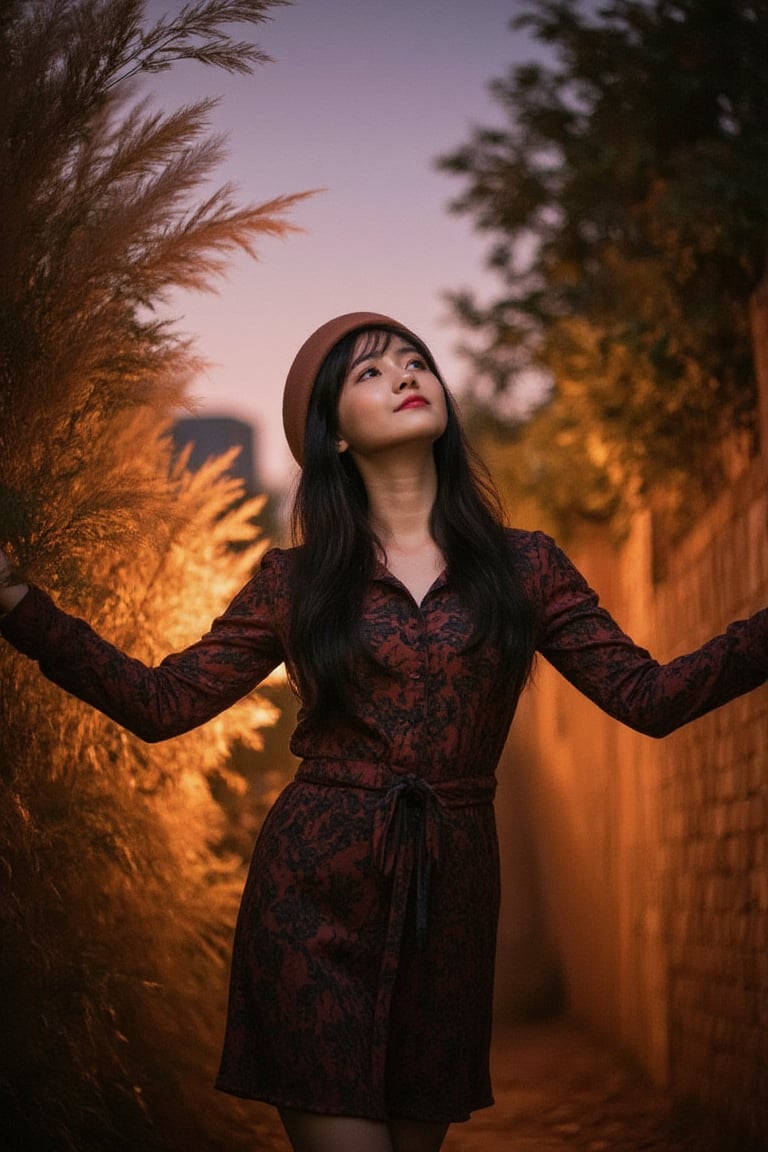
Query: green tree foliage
<point x="118" y="890"/>
<point x="625" y="198"/>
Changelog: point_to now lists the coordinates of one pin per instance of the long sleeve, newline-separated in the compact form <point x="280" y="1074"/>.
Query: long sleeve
<point x="186" y="689"/>
<point x="585" y="644"/>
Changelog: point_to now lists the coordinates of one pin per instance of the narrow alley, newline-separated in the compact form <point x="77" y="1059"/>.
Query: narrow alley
<point x="558" y="1089"/>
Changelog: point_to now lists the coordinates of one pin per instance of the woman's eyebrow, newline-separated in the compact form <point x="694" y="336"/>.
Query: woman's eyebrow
<point x="377" y="353"/>
<point x="370" y="355"/>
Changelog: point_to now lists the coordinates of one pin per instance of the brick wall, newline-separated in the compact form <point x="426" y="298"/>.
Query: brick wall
<point x="653" y="855"/>
<point x="714" y="791"/>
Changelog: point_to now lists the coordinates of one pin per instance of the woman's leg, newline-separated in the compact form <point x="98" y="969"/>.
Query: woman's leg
<point x="413" y="1136"/>
<point x="312" y="1132"/>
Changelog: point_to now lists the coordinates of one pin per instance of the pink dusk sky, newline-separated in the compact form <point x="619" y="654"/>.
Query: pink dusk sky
<point x="361" y="98"/>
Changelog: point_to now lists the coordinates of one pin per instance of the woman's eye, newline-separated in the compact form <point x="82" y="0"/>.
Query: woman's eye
<point x="367" y="373"/>
<point x="416" y="362"/>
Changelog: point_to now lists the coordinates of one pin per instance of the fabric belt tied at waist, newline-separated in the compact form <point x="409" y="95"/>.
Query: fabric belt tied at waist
<point x="405" y="836"/>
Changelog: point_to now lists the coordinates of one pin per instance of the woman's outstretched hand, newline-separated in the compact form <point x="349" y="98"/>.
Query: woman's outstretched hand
<point x="12" y="590"/>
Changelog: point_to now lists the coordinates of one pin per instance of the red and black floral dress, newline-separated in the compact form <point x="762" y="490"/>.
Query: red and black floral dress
<point x="363" y="958"/>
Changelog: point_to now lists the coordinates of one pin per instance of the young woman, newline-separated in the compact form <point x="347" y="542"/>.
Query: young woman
<point x="408" y="617"/>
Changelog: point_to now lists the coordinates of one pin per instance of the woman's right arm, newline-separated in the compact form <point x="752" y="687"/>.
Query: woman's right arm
<point x="185" y="690"/>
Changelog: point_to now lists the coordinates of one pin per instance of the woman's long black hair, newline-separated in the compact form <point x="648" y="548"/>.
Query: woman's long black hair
<point x="338" y="551"/>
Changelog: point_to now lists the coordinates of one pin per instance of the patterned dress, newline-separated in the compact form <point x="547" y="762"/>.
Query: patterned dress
<point x="362" y="966"/>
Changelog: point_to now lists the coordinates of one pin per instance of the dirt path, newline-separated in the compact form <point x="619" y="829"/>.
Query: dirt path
<point x="558" y="1090"/>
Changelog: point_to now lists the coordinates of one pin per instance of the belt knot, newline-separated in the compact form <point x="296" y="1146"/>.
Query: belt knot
<point x="406" y="824"/>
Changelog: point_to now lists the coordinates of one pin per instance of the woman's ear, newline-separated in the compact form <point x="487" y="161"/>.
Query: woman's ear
<point x="341" y="445"/>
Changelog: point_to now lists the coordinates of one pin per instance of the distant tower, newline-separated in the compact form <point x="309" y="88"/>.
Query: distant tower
<point x="215" y="435"/>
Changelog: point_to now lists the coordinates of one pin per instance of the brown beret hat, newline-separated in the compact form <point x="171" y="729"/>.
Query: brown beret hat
<point x="308" y="362"/>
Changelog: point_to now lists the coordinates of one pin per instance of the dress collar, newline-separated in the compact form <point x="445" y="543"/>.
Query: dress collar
<point x="382" y="575"/>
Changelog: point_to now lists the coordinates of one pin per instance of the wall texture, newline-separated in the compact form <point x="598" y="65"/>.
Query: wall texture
<point x="652" y="856"/>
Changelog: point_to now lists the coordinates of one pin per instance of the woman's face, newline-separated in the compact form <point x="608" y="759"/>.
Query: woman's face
<point x="390" y="397"/>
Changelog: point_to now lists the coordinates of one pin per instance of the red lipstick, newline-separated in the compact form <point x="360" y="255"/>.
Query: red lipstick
<point x="412" y="402"/>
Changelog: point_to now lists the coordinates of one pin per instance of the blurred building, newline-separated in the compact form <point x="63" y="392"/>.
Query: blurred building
<point x="215" y="435"/>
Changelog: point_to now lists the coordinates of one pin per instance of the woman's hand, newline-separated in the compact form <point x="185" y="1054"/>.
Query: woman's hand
<point x="11" y="589"/>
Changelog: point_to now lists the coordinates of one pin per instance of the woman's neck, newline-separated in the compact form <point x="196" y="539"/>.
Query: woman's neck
<point x="400" y="499"/>
<point x="401" y="495"/>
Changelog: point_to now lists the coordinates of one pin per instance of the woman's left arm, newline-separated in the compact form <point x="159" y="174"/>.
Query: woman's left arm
<point x="584" y="643"/>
